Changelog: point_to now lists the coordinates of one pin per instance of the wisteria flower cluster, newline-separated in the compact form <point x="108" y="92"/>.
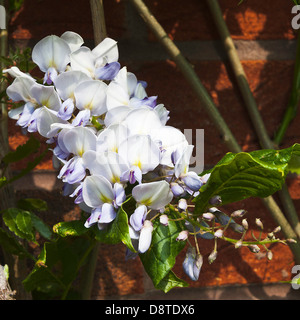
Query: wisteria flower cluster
<point x="111" y="143"/>
<point x="107" y="132"/>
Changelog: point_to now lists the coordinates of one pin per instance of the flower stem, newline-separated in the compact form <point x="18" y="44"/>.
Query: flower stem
<point x="292" y="107"/>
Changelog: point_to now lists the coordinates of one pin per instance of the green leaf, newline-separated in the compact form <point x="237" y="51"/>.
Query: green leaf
<point x="160" y="258"/>
<point x="70" y="228"/>
<point x="171" y="281"/>
<point x="41" y="277"/>
<point x="19" y="222"/>
<point x="116" y="232"/>
<point x="11" y="245"/>
<point x="243" y="175"/>
<point x="41" y="227"/>
<point x="57" y="265"/>
<point x="31" y="204"/>
<point x="32" y="145"/>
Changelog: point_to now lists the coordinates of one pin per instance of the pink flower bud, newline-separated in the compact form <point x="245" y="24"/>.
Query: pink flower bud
<point x="218" y="233"/>
<point x="208" y="216"/>
<point x="164" y="219"/>
<point x="183" y="235"/>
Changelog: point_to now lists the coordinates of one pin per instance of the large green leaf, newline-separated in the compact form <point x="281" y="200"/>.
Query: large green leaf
<point x="24" y="224"/>
<point x="171" y="281"/>
<point x="57" y="265"/>
<point x="116" y="232"/>
<point x="243" y="175"/>
<point x="32" y="204"/>
<point x="160" y="258"/>
<point x="11" y="245"/>
<point x="70" y="228"/>
<point x="19" y="222"/>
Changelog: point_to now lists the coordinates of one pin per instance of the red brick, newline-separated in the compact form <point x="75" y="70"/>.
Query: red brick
<point x="255" y="19"/>
<point x="115" y="276"/>
<point x="37" y="19"/>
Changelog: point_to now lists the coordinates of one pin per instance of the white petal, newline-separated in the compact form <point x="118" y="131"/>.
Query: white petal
<point x="116" y="115"/>
<point x="73" y="39"/>
<point x="171" y="139"/>
<point x="145" y="237"/>
<point x="79" y="140"/>
<point x="97" y="190"/>
<point x="111" y="138"/>
<point x="20" y="89"/>
<point x="108" y="164"/>
<point x="182" y="164"/>
<point x="46" y="96"/>
<point x="16" y="72"/>
<point x="66" y="83"/>
<point x="45" y="119"/>
<point x="140" y="151"/>
<point x="142" y="121"/>
<point x="51" y="51"/>
<point x="107" y="48"/>
<point x="154" y="195"/>
<point x="91" y="94"/>
<point x="117" y="96"/>
<point x="83" y="60"/>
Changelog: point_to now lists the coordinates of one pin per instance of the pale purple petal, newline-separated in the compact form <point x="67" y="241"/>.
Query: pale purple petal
<point x="108" y="72"/>
<point x="93" y="218"/>
<point x="192" y="181"/>
<point x="66" y="110"/>
<point x="120" y="195"/>
<point x="108" y="213"/>
<point x="138" y="217"/>
<point x="82" y="118"/>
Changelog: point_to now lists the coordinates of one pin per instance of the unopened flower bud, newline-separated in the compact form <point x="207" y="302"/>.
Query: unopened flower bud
<point x="183" y="235"/>
<point x="277" y="229"/>
<point x="238" y="244"/>
<point x="218" y="233"/>
<point x="192" y="264"/>
<point x="164" y="219"/>
<point x="216" y="200"/>
<point x="213" y="256"/>
<point x="208" y="216"/>
<point x="238" y="213"/>
<point x="291" y="240"/>
<point x="245" y="224"/>
<point x="182" y="204"/>
<point x="254" y="248"/>
<point x="259" y="223"/>
<point x="176" y="189"/>
<point x="271" y="235"/>
<point x="270" y="255"/>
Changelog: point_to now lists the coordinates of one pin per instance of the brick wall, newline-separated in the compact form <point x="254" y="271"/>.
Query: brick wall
<point x="266" y="45"/>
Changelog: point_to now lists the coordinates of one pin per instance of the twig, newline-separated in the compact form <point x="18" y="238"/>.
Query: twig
<point x="89" y="269"/>
<point x="292" y="107"/>
<point x="98" y="20"/>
